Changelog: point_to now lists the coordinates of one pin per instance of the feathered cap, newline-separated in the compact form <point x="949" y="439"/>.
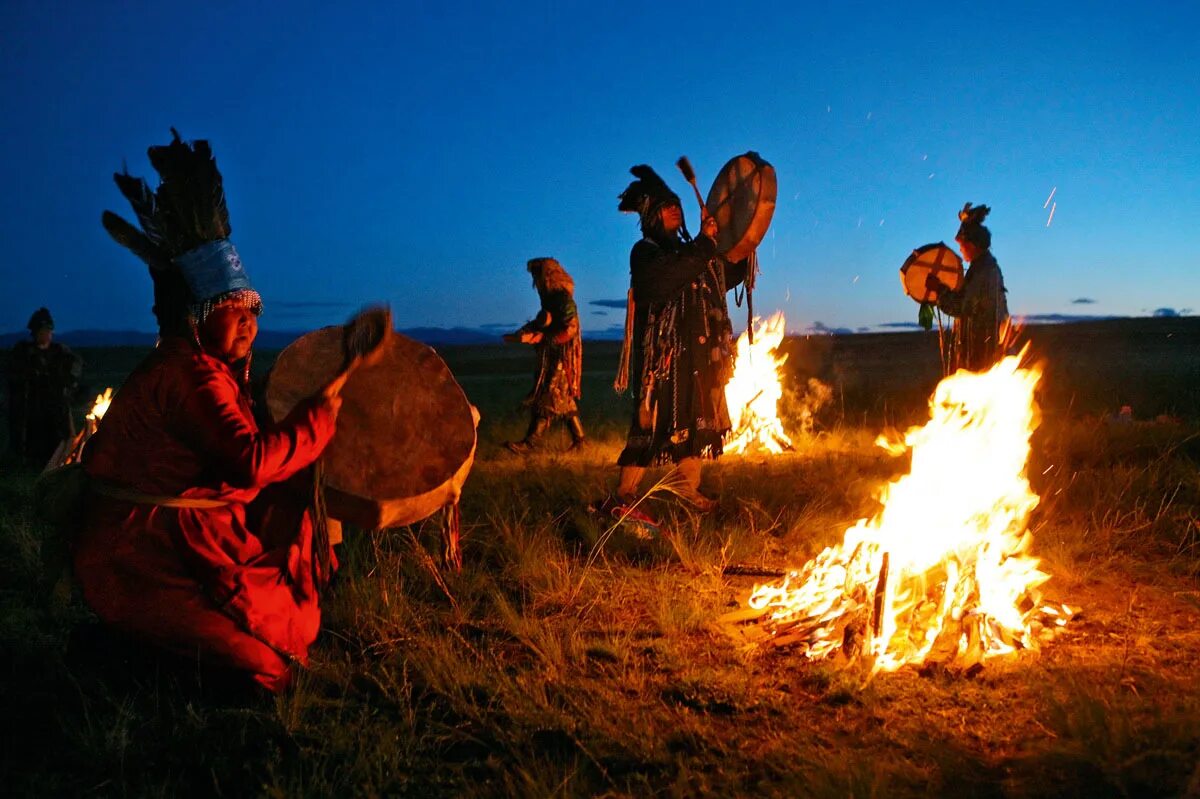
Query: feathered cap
<point x="184" y="235"/>
<point x="646" y="195"/>
<point x="41" y="319"/>
<point x="972" y="228"/>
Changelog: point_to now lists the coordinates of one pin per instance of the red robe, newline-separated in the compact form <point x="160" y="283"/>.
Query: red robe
<point x="232" y="585"/>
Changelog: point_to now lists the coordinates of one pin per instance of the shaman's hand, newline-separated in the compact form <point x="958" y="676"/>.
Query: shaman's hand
<point x="709" y="227"/>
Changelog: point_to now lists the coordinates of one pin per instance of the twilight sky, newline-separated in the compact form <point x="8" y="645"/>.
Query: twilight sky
<point x="420" y="153"/>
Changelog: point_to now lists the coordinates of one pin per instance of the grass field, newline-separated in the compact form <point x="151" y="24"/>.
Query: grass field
<point x="555" y="667"/>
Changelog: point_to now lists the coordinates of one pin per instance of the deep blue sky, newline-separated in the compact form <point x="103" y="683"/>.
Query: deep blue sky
<point x="421" y="153"/>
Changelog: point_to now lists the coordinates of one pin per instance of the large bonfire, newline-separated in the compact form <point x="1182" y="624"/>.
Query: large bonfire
<point x="942" y="572"/>
<point x="754" y="391"/>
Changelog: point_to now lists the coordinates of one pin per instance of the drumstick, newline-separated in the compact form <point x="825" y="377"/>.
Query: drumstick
<point x="689" y="174"/>
<point x="363" y="340"/>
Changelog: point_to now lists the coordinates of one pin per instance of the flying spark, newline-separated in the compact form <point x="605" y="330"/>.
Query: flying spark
<point x="1051" y="218"/>
<point x="931" y="174"/>
<point x="1046" y="204"/>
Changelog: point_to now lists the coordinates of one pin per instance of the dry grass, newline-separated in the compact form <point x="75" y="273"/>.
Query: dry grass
<point x="569" y="661"/>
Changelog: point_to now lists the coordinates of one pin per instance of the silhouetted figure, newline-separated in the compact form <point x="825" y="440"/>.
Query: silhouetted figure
<point x="680" y="343"/>
<point x="980" y="307"/>
<point x="555" y="334"/>
<point x="42" y="378"/>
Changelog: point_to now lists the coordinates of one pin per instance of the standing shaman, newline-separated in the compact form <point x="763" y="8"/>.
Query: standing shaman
<point x="555" y="334"/>
<point x="679" y="341"/>
<point x="980" y="308"/>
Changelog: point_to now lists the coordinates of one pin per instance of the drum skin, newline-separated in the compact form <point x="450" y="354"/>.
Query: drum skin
<point x="742" y="200"/>
<point x="932" y="258"/>
<point x="405" y="438"/>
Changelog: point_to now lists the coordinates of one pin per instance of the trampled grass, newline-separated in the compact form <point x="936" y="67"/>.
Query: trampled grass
<point x="563" y="662"/>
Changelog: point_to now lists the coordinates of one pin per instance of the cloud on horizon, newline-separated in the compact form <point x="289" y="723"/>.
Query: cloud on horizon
<point x="1083" y="301"/>
<point x="824" y="329"/>
<point x="899" y="325"/>
<point x="608" y="303"/>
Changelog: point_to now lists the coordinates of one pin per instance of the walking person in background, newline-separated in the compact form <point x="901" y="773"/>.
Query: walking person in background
<point x="555" y="334"/>
<point x="679" y="342"/>
<point x="42" y="378"/>
<point x="980" y="306"/>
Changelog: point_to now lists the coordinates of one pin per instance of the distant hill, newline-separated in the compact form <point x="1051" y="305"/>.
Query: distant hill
<point x="278" y="339"/>
<point x="469" y="336"/>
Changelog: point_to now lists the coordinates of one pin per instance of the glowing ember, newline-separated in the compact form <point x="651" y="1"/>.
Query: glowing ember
<point x="754" y="391"/>
<point x="941" y="572"/>
<point x="100" y="406"/>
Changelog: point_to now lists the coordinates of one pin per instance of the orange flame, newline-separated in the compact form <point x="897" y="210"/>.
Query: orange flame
<point x="942" y="571"/>
<point x="100" y="406"/>
<point x="754" y="391"/>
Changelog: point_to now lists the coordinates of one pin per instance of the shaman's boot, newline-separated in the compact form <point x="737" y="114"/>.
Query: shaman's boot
<point x="538" y="426"/>
<point x="575" y="427"/>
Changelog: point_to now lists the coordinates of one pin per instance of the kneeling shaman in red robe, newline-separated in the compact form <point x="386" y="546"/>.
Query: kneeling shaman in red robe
<point x="196" y="539"/>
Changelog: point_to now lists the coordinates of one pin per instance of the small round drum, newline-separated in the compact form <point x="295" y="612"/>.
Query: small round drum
<point x="742" y="200"/>
<point x="932" y="259"/>
<point x="405" y="438"/>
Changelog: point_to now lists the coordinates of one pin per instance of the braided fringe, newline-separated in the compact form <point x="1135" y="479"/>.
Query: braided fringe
<point x="573" y="365"/>
<point x="320" y="525"/>
<point x="451" y="528"/>
<point x="621" y="384"/>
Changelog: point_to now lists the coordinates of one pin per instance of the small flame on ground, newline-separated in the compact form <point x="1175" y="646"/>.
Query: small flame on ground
<point x="942" y="571"/>
<point x="754" y="391"/>
<point x="100" y="406"/>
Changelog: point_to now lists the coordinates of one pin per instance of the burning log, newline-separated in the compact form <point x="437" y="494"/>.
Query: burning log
<point x="942" y="572"/>
<point x="71" y="450"/>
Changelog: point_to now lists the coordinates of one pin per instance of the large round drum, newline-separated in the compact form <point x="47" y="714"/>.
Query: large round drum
<point x="932" y="259"/>
<point x="742" y="200"/>
<point x="405" y="436"/>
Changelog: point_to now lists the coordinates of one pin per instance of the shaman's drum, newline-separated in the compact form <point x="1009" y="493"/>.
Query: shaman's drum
<point x="932" y="259"/>
<point x="742" y="200"/>
<point x="405" y="436"/>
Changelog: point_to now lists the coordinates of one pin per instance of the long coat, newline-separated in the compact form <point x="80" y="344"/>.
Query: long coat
<point x="556" y="385"/>
<point x="233" y="585"/>
<point x="980" y="309"/>
<point x="41" y="383"/>
<point x="683" y="349"/>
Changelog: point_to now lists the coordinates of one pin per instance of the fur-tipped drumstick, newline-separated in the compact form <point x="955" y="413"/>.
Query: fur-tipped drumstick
<point x="689" y="174"/>
<point x="363" y="340"/>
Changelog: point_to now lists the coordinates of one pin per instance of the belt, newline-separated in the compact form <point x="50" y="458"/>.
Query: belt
<point x="129" y="495"/>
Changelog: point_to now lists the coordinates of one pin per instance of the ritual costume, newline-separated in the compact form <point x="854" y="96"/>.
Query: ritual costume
<point x="43" y="376"/>
<point x="980" y="305"/>
<point x="679" y="341"/>
<point x="555" y="334"/>
<point x="194" y="542"/>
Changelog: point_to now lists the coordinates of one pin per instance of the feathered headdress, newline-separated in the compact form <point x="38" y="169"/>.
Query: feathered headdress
<point x="971" y="228"/>
<point x="646" y="195"/>
<point x="184" y="235"/>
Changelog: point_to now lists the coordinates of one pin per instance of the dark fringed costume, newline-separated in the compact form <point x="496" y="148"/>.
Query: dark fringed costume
<point x="980" y="305"/>
<point x="194" y="542"/>
<point x="41" y="383"/>
<point x="556" y="385"/>
<point x="680" y="340"/>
